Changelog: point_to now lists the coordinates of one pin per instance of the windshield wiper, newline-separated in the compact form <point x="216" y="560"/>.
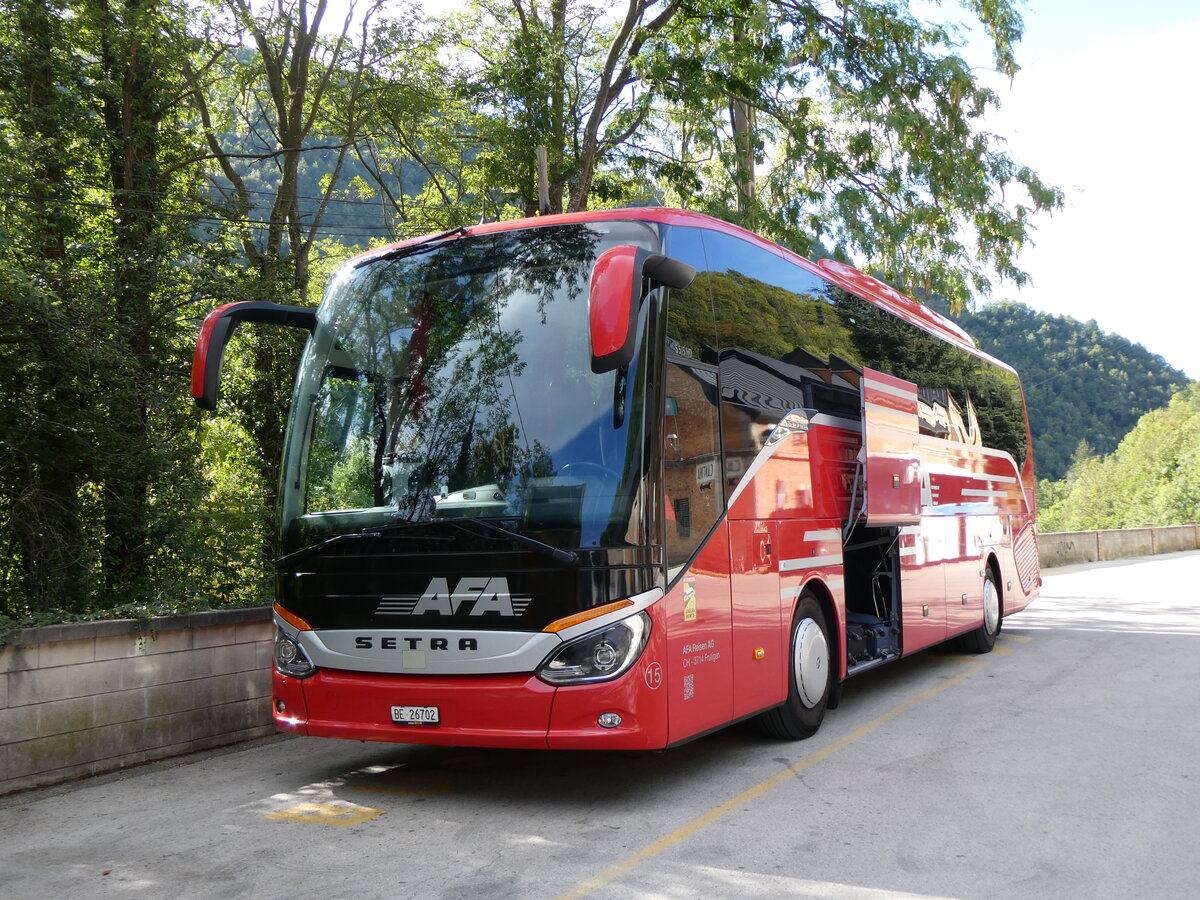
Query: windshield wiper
<point x="285" y="562"/>
<point x="567" y="556"/>
<point x="419" y="247"/>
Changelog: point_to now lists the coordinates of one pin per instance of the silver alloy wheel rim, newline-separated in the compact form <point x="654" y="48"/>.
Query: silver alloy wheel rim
<point x="991" y="606"/>
<point x="810" y="662"/>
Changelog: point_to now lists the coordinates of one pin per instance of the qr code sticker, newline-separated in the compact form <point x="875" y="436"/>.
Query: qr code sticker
<point x="689" y="687"/>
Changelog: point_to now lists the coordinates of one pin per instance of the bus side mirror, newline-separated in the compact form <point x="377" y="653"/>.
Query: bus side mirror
<point x="218" y="328"/>
<point x="615" y="295"/>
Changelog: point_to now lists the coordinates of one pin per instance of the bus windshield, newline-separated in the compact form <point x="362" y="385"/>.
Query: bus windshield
<point x="454" y="380"/>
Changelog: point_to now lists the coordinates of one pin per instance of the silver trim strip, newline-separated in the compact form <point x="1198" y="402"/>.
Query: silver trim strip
<point x="494" y="653"/>
<point x="792" y="592"/>
<point x="837" y="422"/>
<point x="828" y="534"/>
<point x="813" y="562"/>
<point x="889" y="389"/>
<point x="942" y="470"/>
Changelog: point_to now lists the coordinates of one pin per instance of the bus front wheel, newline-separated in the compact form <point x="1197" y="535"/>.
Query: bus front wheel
<point x="810" y="676"/>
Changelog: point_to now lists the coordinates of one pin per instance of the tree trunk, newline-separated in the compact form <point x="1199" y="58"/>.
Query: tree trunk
<point x="558" y="109"/>
<point x="741" y="115"/>
<point x="133" y="120"/>
<point x="45" y="451"/>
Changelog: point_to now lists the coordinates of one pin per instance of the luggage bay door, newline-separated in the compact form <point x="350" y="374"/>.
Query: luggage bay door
<point x="890" y="443"/>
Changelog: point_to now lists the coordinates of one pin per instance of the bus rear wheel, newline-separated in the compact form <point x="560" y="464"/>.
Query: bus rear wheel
<point x="983" y="638"/>
<point x="810" y="676"/>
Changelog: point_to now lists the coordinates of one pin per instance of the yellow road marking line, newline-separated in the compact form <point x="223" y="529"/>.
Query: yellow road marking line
<point x="615" y="871"/>
<point x="1002" y="650"/>
<point x="1016" y="638"/>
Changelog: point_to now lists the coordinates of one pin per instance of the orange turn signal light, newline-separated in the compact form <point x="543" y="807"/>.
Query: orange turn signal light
<point x="561" y="624"/>
<point x="291" y="618"/>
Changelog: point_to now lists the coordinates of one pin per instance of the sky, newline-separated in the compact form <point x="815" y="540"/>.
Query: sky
<point x="1107" y="107"/>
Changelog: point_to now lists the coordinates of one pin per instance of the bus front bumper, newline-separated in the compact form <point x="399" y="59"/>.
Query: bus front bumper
<point x="509" y="711"/>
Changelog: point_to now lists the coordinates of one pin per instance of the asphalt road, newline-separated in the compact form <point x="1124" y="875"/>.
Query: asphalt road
<point x="1064" y="764"/>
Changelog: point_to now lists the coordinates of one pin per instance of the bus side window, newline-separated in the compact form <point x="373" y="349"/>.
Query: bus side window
<point x="690" y="327"/>
<point x="691" y="458"/>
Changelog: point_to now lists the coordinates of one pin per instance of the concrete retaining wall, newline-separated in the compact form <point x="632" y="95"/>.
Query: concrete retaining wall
<point x="87" y="698"/>
<point x="1174" y="539"/>
<point x="1067" y="548"/>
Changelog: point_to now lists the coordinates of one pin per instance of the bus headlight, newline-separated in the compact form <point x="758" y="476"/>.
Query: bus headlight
<point x="290" y="658"/>
<point x="599" y="656"/>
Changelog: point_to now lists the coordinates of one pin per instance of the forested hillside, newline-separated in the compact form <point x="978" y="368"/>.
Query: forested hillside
<point x="1081" y="384"/>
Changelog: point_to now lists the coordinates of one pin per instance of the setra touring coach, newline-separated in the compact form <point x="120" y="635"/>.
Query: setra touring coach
<point x="618" y="479"/>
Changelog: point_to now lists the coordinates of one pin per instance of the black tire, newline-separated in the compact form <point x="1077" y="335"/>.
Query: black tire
<point x="983" y="638"/>
<point x="810" y="675"/>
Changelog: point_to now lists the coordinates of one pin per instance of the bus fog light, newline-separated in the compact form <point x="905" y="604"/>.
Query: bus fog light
<point x="608" y="720"/>
<point x="599" y="656"/>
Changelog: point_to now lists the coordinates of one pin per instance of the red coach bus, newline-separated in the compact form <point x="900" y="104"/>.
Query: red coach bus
<point x="618" y="479"/>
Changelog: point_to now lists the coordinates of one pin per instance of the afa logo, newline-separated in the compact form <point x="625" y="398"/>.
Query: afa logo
<point x="478" y="595"/>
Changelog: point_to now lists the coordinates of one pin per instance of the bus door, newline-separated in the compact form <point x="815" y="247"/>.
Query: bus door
<point x="894" y="475"/>
<point x="697" y="609"/>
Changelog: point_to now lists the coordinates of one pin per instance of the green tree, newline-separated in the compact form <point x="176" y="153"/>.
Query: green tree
<point x="275" y="88"/>
<point x="421" y="145"/>
<point x="94" y="297"/>
<point x="869" y="120"/>
<point x="137" y="82"/>
<point x="1150" y="479"/>
<point x="48" y="283"/>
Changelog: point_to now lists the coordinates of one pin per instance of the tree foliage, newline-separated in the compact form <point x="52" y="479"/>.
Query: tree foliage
<point x="160" y="157"/>
<point x="97" y="235"/>
<point x="1152" y="478"/>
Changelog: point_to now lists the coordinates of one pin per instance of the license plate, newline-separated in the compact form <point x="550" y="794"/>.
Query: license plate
<point x="415" y="715"/>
